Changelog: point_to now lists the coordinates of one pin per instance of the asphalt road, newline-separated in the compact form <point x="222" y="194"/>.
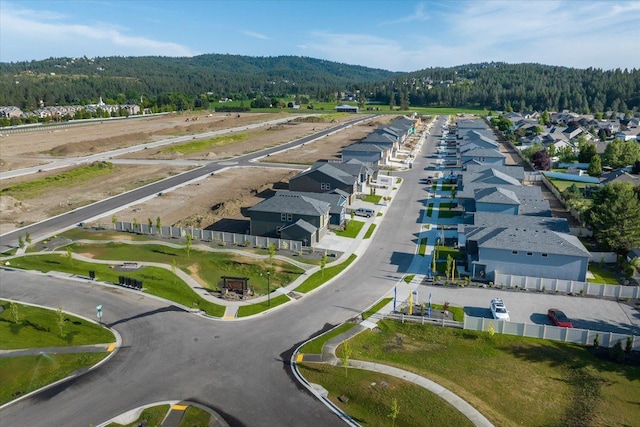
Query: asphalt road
<point x="114" y="204"/>
<point x="240" y="369"/>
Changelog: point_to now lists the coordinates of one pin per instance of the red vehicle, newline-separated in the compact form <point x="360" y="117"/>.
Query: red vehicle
<point x="558" y="318"/>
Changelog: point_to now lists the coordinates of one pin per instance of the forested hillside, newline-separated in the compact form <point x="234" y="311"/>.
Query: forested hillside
<point x="517" y="87"/>
<point x="188" y="82"/>
<point x="166" y="80"/>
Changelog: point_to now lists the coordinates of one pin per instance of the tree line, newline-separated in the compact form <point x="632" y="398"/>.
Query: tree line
<point x="166" y="83"/>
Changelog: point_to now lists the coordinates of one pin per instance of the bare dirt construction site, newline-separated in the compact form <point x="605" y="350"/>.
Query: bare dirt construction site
<point x="224" y="196"/>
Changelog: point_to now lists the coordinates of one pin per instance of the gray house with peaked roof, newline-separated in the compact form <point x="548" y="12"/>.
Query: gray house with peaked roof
<point x="524" y="251"/>
<point x="487" y="156"/>
<point x="324" y="178"/>
<point x="301" y="217"/>
<point x="372" y="154"/>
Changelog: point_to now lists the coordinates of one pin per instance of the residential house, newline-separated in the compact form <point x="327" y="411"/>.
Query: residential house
<point x="486" y="156"/>
<point x="10" y="111"/>
<point x="371" y="154"/>
<point x="291" y="216"/>
<point x="520" y="249"/>
<point x="337" y="200"/>
<point x="324" y="178"/>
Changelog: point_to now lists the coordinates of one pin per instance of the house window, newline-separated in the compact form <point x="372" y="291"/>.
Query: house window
<point x="325" y="186"/>
<point x="529" y="253"/>
<point x="287" y="217"/>
<point x="278" y="229"/>
<point x="545" y="255"/>
<point x="514" y="252"/>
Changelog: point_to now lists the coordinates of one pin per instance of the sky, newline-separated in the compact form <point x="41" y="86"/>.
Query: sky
<point x="395" y="35"/>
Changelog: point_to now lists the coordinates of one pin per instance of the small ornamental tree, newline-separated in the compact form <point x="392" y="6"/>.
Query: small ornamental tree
<point x="15" y="314"/>
<point x="541" y="160"/>
<point x="60" y="319"/>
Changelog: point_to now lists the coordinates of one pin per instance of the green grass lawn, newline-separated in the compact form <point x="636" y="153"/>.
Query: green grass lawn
<point x="155" y="281"/>
<point x="422" y="249"/>
<point x="153" y="416"/>
<point x="250" y="310"/>
<point x="377" y="306"/>
<point x="315" y="346"/>
<point x="602" y="276"/>
<point x="372" y="198"/>
<point x="370" y="231"/>
<point x="444" y="251"/>
<point x="352" y="229"/>
<point x="39" y="327"/>
<point x="565" y="384"/>
<point x="208" y="266"/>
<point x="319" y="277"/>
<point x="24" y="374"/>
<point x="370" y="396"/>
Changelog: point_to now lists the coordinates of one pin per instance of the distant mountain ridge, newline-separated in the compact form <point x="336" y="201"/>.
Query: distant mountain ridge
<point x="185" y="82"/>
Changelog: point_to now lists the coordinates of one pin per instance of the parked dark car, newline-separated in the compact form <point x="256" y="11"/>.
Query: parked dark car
<point x="558" y="318"/>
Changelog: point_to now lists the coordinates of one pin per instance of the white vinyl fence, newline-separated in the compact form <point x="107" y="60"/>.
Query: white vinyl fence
<point x="547" y="332"/>
<point x="511" y="281"/>
<point x="221" y="237"/>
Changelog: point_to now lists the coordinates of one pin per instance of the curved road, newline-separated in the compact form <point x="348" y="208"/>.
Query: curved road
<point x="104" y="207"/>
<point x="240" y="369"/>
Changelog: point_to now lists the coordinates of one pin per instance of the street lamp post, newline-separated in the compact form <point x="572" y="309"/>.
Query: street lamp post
<point x="268" y="289"/>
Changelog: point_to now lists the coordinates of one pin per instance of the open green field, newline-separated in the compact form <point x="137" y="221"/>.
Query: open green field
<point x="77" y="176"/>
<point x="321" y="107"/>
<point x="200" y="145"/>
<point x="565" y="384"/>
<point x="370" y="398"/>
<point x="155" y="280"/>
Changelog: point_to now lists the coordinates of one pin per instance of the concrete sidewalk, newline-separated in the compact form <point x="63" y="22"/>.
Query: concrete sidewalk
<point x="329" y="356"/>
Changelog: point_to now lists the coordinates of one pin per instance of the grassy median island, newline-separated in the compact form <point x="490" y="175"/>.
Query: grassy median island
<point x="24" y="327"/>
<point x="208" y="267"/>
<point x="510" y="380"/>
<point x="155" y="280"/>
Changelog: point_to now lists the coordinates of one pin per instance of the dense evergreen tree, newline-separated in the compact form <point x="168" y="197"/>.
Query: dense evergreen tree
<point x="495" y="86"/>
<point x="614" y="216"/>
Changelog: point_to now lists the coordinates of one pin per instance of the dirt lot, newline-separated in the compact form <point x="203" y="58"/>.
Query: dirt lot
<point x="203" y="204"/>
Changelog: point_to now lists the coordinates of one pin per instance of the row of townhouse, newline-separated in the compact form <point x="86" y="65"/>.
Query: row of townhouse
<point x="67" y="110"/>
<point x="507" y="225"/>
<point x="318" y="197"/>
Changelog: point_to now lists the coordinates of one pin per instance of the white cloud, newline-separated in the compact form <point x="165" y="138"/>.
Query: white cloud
<point x="364" y="49"/>
<point x="257" y="35"/>
<point x="51" y="34"/>
<point x="419" y="14"/>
